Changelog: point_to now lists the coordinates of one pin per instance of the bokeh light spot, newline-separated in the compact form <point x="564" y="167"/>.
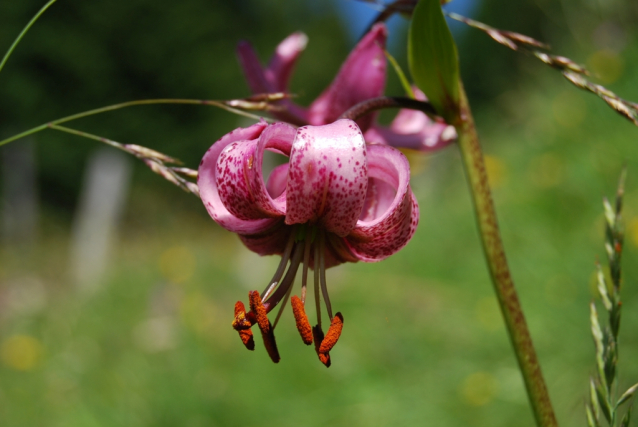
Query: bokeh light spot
<point x="479" y="389"/>
<point x="496" y="171"/>
<point x="21" y="352"/>
<point x="606" y="65"/>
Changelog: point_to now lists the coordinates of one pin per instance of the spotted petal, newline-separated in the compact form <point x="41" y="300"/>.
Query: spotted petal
<point x="392" y="213"/>
<point x="209" y="190"/>
<point x="361" y="77"/>
<point x="327" y="176"/>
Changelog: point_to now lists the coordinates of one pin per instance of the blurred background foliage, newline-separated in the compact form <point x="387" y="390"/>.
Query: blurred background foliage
<point x="423" y="341"/>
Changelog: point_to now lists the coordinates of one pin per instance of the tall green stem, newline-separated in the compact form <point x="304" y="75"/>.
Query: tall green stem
<point x="497" y="263"/>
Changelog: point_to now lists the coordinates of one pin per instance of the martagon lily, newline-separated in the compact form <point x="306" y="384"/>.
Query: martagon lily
<point x="361" y="77"/>
<point x="337" y="200"/>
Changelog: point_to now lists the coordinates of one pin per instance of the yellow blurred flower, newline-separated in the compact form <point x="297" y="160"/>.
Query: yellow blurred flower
<point x="21" y="352"/>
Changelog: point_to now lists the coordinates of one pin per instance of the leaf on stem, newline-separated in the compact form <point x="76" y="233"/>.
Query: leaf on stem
<point x="433" y="59"/>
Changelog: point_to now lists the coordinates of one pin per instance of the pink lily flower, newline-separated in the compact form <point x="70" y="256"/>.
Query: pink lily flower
<point x="361" y="77"/>
<point x="336" y="200"/>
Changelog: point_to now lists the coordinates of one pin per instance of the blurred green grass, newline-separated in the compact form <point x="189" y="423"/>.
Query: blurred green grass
<point x="423" y="341"/>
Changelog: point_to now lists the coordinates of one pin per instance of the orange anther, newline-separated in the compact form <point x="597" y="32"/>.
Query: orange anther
<point x="241" y="321"/>
<point x="303" y="326"/>
<point x="267" y="332"/>
<point x="247" y="338"/>
<point x="317" y="333"/>
<point x="258" y="308"/>
<point x="242" y="325"/>
<point x="333" y="334"/>
<point x="325" y="359"/>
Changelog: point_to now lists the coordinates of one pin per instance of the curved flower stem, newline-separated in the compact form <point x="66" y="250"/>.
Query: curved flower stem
<point x="221" y="104"/>
<point x="373" y="104"/>
<point x="509" y="303"/>
<point x="499" y="271"/>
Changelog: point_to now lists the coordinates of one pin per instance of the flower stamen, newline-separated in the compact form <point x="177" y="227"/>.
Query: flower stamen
<point x="303" y="325"/>
<point x="267" y="332"/>
<point x="317" y="334"/>
<point x="280" y="268"/>
<point x="242" y="324"/>
<point x="288" y="280"/>
<point x="333" y="334"/>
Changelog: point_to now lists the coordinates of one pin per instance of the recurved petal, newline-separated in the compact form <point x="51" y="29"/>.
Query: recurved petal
<point x="209" y="190"/>
<point x="239" y="174"/>
<point x="277" y="180"/>
<point x="361" y="77"/>
<point x="283" y="61"/>
<point x="392" y="213"/>
<point x="327" y="176"/>
<point x="277" y="137"/>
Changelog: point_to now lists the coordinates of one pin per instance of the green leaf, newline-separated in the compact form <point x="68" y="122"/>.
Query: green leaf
<point x="433" y="58"/>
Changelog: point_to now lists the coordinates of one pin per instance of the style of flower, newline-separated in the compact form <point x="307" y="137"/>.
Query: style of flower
<point x="361" y="77"/>
<point x="337" y="200"/>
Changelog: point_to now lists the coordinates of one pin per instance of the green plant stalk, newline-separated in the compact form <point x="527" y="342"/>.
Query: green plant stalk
<point x="474" y="165"/>
<point x="23" y="32"/>
<point x="125" y="105"/>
